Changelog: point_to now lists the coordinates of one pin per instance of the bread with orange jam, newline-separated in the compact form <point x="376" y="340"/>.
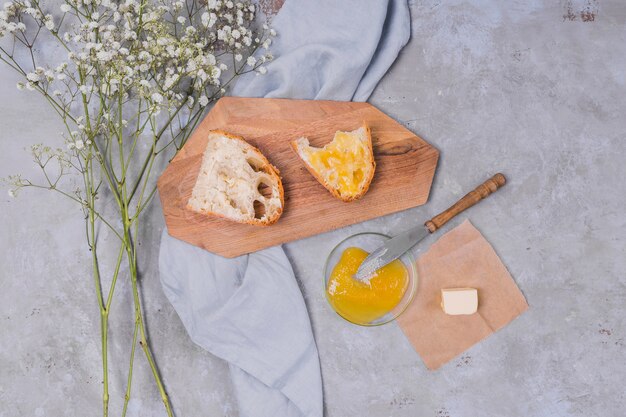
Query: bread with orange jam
<point x="345" y="166"/>
<point x="237" y="182"/>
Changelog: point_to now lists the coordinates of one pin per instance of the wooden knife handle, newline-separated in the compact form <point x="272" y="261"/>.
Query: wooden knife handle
<point x="473" y="197"/>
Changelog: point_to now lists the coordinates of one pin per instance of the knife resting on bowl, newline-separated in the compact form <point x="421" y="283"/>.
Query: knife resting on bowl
<point x="396" y="246"/>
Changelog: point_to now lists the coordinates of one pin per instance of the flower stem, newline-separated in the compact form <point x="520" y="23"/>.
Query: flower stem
<point x="104" y="323"/>
<point x="104" y="314"/>
<point x="130" y="369"/>
<point x="131" y="256"/>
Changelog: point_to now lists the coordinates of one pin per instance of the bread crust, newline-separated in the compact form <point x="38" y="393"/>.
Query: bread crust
<point x="268" y="169"/>
<point x="296" y="147"/>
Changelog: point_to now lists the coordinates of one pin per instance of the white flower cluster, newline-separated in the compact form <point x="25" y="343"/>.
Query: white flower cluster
<point x="164" y="54"/>
<point x="8" y="17"/>
<point x="128" y="61"/>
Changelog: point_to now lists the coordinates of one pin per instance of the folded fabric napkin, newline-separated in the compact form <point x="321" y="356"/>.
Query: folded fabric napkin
<point x="460" y="258"/>
<point x="249" y="310"/>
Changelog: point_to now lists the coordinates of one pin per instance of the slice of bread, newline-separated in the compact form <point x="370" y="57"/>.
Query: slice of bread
<point x="344" y="166"/>
<point x="237" y="182"/>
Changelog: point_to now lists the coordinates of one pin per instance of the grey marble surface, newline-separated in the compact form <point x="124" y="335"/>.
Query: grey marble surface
<point x="531" y="88"/>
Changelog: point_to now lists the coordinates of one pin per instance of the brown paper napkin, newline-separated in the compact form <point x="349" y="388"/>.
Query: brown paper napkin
<point x="460" y="258"/>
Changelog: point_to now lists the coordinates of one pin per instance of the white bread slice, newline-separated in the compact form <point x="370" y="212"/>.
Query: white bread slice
<point x="356" y="169"/>
<point x="237" y="182"/>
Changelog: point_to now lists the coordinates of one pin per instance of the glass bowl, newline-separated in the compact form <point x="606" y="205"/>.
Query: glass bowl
<point x="369" y="241"/>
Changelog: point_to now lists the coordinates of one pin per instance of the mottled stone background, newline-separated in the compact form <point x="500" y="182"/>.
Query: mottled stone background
<point x="535" y="89"/>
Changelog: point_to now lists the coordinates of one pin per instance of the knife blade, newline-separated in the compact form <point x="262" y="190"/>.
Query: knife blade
<point x="391" y="250"/>
<point x="398" y="245"/>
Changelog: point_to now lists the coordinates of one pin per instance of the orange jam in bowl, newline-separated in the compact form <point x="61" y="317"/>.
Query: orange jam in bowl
<point x="381" y="299"/>
<point x="365" y="301"/>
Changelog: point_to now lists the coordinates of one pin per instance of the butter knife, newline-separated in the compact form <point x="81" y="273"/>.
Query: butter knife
<point x="398" y="245"/>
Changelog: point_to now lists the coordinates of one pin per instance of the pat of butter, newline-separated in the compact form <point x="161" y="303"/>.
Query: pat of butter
<point x="458" y="301"/>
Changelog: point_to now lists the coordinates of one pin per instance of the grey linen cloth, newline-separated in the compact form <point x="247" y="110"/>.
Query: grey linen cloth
<point x="249" y="310"/>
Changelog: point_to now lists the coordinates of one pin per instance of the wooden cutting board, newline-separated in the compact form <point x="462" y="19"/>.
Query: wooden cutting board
<point x="405" y="165"/>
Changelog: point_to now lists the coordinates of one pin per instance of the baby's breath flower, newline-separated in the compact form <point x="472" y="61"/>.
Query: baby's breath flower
<point x="157" y="98"/>
<point x="251" y="61"/>
<point x="21" y="86"/>
<point x="65" y="8"/>
<point x="49" y="22"/>
<point x="203" y="100"/>
<point x="104" y="56"/>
